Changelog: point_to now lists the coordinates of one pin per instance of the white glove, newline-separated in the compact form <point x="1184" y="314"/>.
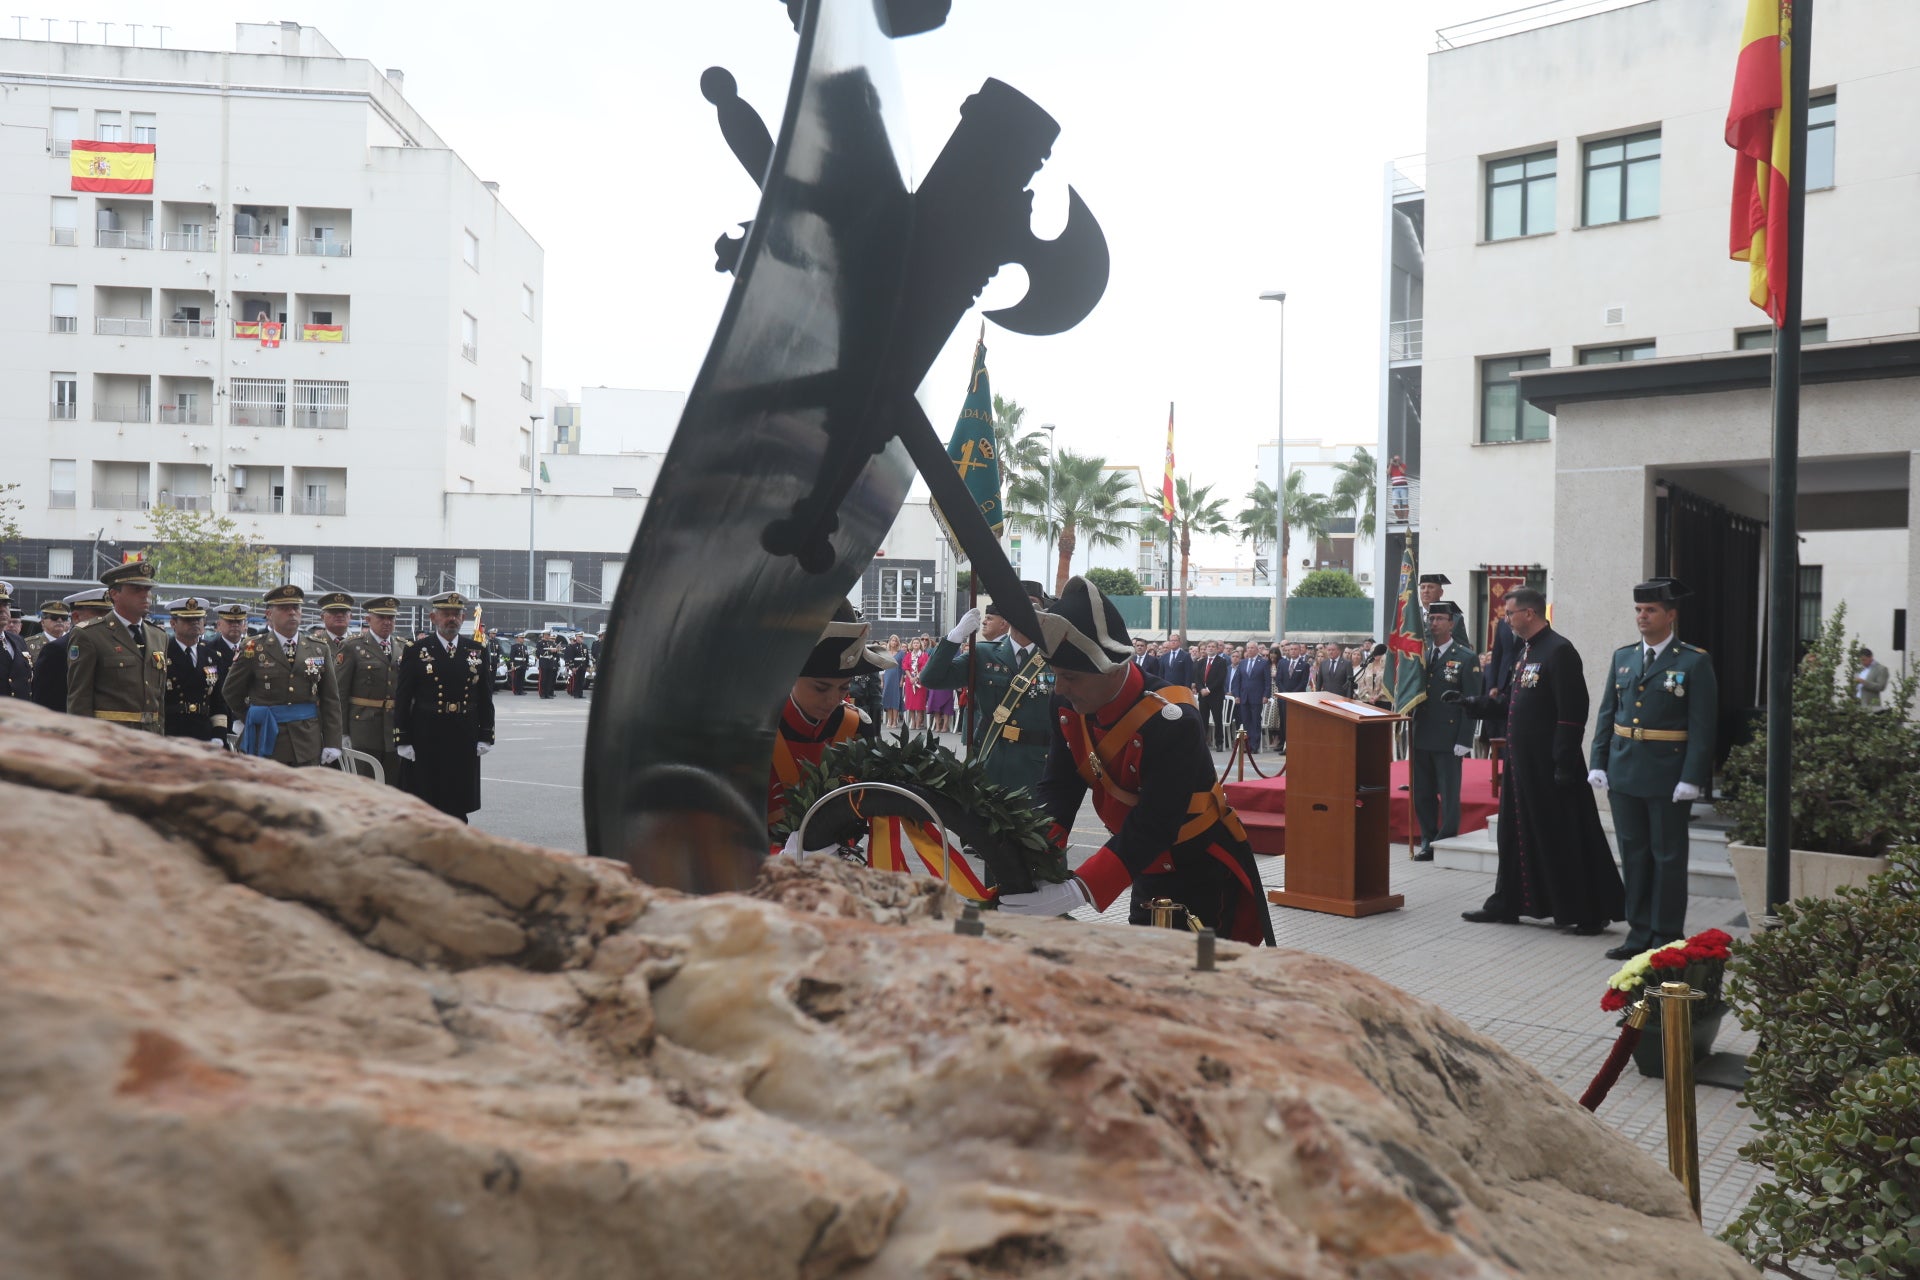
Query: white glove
<point x="968" y="624"/>
<point x="1462" y="752"/>
<point x="1597" y="778"/>
<point x="481" y="748"/>
<point x="216" y="742"/>
<point x="405" y="753"/>
<point x="1685" y="792"/>
<point x="792" y="849"/>
<point x="1048" y="900"/>
<point x="346" y="743"/>
<point x="329" y="755"/>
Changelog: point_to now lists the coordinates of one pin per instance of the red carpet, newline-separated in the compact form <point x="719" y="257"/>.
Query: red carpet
<point x="1262" y="805"/>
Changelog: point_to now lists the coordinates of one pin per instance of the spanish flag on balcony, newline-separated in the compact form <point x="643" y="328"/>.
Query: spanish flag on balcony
<point x="321" y="333"/>
<point x="1757" y="128"/>
<point x="246" y="328"/>
<point x="115" y="167"/>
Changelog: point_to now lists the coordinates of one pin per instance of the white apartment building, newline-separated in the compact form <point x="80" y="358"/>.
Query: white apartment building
<point x="378" y="445"/>
<point x="1589" y="385"/>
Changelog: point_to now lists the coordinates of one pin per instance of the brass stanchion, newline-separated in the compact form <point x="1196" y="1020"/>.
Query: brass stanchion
<point x="1683" y="1127"/>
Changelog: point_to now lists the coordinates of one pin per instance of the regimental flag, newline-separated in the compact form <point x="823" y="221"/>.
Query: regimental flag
<point x="1166" y="480"/>
<point x="900" y="844"/>
<point x="322" y="333"/>
<point x="1407" y="647"/>
<point x="1758" y="128"/>
<point x="270" y="333"/>
<point x="115" y="167"/>
<point x="974" y="453"/>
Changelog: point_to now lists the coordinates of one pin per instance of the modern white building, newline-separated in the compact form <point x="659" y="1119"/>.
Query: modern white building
<point x="384" y="442"/>
<point x="1590" y="402"/>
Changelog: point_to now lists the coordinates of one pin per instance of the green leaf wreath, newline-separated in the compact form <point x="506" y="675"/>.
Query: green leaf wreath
<point x="1002" y="827"/>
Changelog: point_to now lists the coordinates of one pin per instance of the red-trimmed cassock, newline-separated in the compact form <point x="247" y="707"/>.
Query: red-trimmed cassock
<point x="801" y="742"/>
<point x="1144" y="756"/>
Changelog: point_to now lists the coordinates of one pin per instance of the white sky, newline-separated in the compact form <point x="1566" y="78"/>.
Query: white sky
<point x="1226" y="147"/>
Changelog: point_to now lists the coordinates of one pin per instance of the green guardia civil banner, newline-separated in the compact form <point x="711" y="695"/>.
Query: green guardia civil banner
<point x="974" y="453"/>
<point x="1407" y="647"/>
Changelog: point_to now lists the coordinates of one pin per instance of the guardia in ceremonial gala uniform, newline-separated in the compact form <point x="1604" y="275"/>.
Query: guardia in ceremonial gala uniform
<point x="369" y="676"/>
<point x="1442" y="731"/>
<point x="282" y="688"/>
<point x="816" y="714"/>
<point x="1653" y="752"/>
<point x="1012" y="686"/>
<point x="117" y="667"/>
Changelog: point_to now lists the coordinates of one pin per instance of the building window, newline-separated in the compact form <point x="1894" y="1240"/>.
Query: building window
<point x="1013" y="552"/>
<point x="1820" y="116"/>
<point x="64" y="220"/>
<point x="1761" y="339"/>
<point x="1614" y="355"/>
<point x="470" y="249"/>
<point x="469" y="338"/>
<point x="526" y="301"/>
<point x="466" y="575"/>
<point x="146" y="127"/>
<point x="526" y="449"/>
<point x="319" y="404"/>
<point x="900" y="595"/>
<point x="65" y="406"/>
<point x="64" y="308"/>
<point x="60" y="496"/>
<point x="106" y="127"/>
<point x="1520" y="193"/>
<point x="300" y="570"/>
<point x="526" y="378"/>
<point x="1808" y="623"/>
<point x="66" y="127"/>
<point x="469" y="416"/>
<point x="560" y="581"/>
<point x="1623" y="178"/>
<point x="59" y="562"/>
<point x="1504" y="416"/>
<point x="1148" y="561"/>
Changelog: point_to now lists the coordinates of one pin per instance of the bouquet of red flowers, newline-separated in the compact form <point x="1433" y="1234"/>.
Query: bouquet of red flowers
<point x="1701" y="961"/>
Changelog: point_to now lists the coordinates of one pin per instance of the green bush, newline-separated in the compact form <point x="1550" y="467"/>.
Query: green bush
<point x="1833" y="995"/>
<point x="1856" y="769"/>
<point x="1116" y="582"/>
<point x="1334" y="584"/>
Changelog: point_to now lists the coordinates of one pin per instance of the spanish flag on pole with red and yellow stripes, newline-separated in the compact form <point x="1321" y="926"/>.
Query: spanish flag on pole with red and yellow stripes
<point x="1166" y="480"/>
<point x="1758" y="128"/>
<point x="124" y="168"/>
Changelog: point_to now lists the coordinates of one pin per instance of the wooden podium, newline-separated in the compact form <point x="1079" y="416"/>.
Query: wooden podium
<point x="1339" y="762"/>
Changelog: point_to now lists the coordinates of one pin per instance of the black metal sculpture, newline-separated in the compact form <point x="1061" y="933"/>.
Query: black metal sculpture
<point x="801" y="433"/>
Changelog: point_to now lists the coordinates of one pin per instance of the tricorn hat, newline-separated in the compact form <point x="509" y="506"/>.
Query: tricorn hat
<point x="1084" y="631"/>
<point x="335" y="600"/>
<point x="285" y="593"/>
<point x="187" y="607"/>
<point x="1667" y="591"/>
<point x="843" y="650"/>
<point x="1436" y="579"/>
<point x="131" y="574"/>
<point x="1447" y="607"/>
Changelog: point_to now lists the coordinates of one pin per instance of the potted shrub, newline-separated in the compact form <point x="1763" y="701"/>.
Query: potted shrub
<point x="1856" y="780"/>
<point x="1833" y="995"/>
<point x="1701" y="963"/>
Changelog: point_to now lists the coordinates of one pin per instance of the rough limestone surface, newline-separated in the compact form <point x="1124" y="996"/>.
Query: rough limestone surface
<point x="266" y="1023"/>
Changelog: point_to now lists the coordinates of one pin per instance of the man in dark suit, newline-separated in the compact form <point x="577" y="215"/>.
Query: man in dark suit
<point x="443" y="712"/>
<point x="1253" y="683"/>
<point x="1177" y="666"/>
<point x="1336" y="673"/>
<point x="1211" y="682"/>
<point x="16" y="669"/>
<point x="1153" y="662"/>
<point x="1296" y="671"/>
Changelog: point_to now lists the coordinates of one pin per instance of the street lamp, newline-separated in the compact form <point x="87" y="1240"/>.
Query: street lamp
<point x="1047" y="569"/>
<point x="1279" y="573"/>
<point x="533" y="492"/>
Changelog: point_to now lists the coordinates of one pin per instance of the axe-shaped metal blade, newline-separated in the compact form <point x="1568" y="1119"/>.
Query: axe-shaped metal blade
<point x="1065" y="276"/>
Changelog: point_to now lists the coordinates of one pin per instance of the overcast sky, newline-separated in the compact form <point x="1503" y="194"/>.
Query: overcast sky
<point x="1227" y="148"/>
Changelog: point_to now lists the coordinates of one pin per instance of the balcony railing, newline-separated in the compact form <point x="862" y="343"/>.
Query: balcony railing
<point x="466" y="434"/>
<point x="189" y="415"/>
<point x="106" y="239"/>
<point x="123" y="326"/>
<point x="526" y="391"/>
<point x="119" y="501"/>
<point x="469" y="353"/>
<point x="321" y="333"/>
<point x="320" y="506"/>
<point x="1403" y="503"/>
<point x="186" y="501"/>
<point x="190" y="241"/>
<point x="62" y="411"/>
<point x="122" y="412"/>
<point x="313" y="248"/>
<point x="259" y="415"/>
<point x="62" y="236"/>
<point x="60" y="499"/>
<point x="259" y="244"/>
<point x="323" y="417"/>
<point x="257" y="506"/>
<point x="66" y="324"/>
<point x="1403" y="339"/>
<point x="186" y="328"/>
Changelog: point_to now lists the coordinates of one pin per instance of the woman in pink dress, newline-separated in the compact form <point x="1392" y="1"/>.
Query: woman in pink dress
<point x="910" y="669"/>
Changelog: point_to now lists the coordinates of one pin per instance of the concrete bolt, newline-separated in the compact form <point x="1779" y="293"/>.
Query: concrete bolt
<point x="970" y="925"/>
<point x="1203" y="950"/>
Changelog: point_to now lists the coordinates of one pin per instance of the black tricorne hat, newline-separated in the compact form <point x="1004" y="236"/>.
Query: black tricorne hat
<point x="1447" y="607"/>
<point x="843" y="651"/>
<point x="1436" y="579"/>
<point x="1667" y="591"/>
<point x="1083" y="631"/>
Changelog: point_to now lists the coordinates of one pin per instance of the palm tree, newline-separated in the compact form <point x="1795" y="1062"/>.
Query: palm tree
<point x="1356" y="490"/>
<point x="1308" y="511"/>
<point x="1088" y="501"/>
<point x="1021" y="451"/>
<point x="1194" y="511"/>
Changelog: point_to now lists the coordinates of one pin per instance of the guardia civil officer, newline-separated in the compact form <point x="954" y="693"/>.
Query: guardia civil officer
<point x="50" y="669"/>
<point x="1140" y="747"/>
<point x="443" y="711"/>
<point x="282" y="688"/>
<point x="117" y="670"/>
<point x="1012" y="685"/>
<point x="196" y="708"/>
<point x="1442" y="731"/>
<point x="369" y="678"/>
<point x="1653" y="752"/>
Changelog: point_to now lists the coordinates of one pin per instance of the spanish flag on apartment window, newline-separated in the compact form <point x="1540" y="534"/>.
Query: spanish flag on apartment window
<point x="1757" y="128"/>
<point x="120" y="168"/>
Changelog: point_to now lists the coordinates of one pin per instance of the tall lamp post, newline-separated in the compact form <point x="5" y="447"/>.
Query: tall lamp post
<point x="1048" y="571"/>
<point x="533" y="493"/>
<point x="1278" y="564"/>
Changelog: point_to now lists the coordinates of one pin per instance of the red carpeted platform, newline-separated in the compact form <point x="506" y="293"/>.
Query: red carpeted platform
<point x="1262" y="805"/>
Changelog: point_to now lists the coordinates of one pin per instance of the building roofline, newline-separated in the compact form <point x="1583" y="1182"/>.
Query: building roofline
<point x="1864" y="360"/>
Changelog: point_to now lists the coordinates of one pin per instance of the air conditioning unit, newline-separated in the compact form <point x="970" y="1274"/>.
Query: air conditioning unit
<point x="239" y="477"/>
<point x="1365" y="578"/>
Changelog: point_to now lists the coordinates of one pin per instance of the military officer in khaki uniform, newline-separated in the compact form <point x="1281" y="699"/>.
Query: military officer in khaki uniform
<point x="336" y="621"/>
<point x="55" y="617"/>
<point x="283" y="689"/>
<point x="50" y="669"/>
<point x="368" y="672"/>
<point x="229" y="627"/>
<point x="117" y="668"/>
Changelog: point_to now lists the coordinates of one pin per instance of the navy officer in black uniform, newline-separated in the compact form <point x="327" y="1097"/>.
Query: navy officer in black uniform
<point x="443" y="711"/>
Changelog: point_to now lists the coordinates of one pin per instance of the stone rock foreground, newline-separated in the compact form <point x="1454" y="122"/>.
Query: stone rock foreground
<point x="259" y="1023"/>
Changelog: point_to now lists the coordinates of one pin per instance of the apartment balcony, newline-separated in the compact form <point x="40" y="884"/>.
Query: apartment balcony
<point x="65" y="237"/>
<point x="187" y="241"/>
<point x="323" y="248"/>
<point x="65" y="324"/>
<point x="105" y="238"/>
<point x="320" y="417"/>
<point x="60" y="500"/>
<point x="259" y="415"/>
<point x="1404" y="339"/>
<point x="123" y="326"/>
<point x="319" y="506"/>
<point x="119" y="501"/>
<point x="186" y="415"/>
<point x="526" y="391"/>
<point x="186" y="328"/>
<point x="260" y="505"/>
<point x="185" y="501"/>
<point x="260" y="245"/>
<point x="1403" y="505"/>
<point x="62" y="411"/>
<point x="122" y="412"/>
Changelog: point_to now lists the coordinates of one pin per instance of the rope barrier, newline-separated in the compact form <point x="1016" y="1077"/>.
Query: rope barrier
<point x="1617" y="1059"/>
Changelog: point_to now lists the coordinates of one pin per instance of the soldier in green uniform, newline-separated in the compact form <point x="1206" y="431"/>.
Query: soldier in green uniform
<point x="283" y="689"/>
<point x="117" y="668"/>
<point x="336" y="621"/>
<point x="55" y="617"/>
<point x="1653" y="752"/>
<point x="1442" y="731"/>
<point x="368" y="673"/>
<point x="1012" y="685"/>
<point x="229" y="627"/>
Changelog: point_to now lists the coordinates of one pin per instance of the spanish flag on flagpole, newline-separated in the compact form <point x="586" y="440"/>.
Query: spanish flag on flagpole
<point x="1166" y="479"/>
<point x="115" y="167"/>
<point x="1758" y="128"/>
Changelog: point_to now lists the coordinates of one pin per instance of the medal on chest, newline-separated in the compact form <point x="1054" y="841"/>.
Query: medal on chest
<point x="1530" y="676"/>
<point x="1676" y="684"/>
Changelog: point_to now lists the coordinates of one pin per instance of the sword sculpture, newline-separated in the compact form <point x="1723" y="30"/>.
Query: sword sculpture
<point x="801" y="433"/>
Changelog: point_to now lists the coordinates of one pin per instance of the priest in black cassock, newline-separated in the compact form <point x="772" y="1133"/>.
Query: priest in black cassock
<point x="1554" y="859"/>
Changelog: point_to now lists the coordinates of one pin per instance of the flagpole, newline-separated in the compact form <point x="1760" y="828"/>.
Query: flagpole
<point x="973" y="649"/>
<point x="1783" y="546"/>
